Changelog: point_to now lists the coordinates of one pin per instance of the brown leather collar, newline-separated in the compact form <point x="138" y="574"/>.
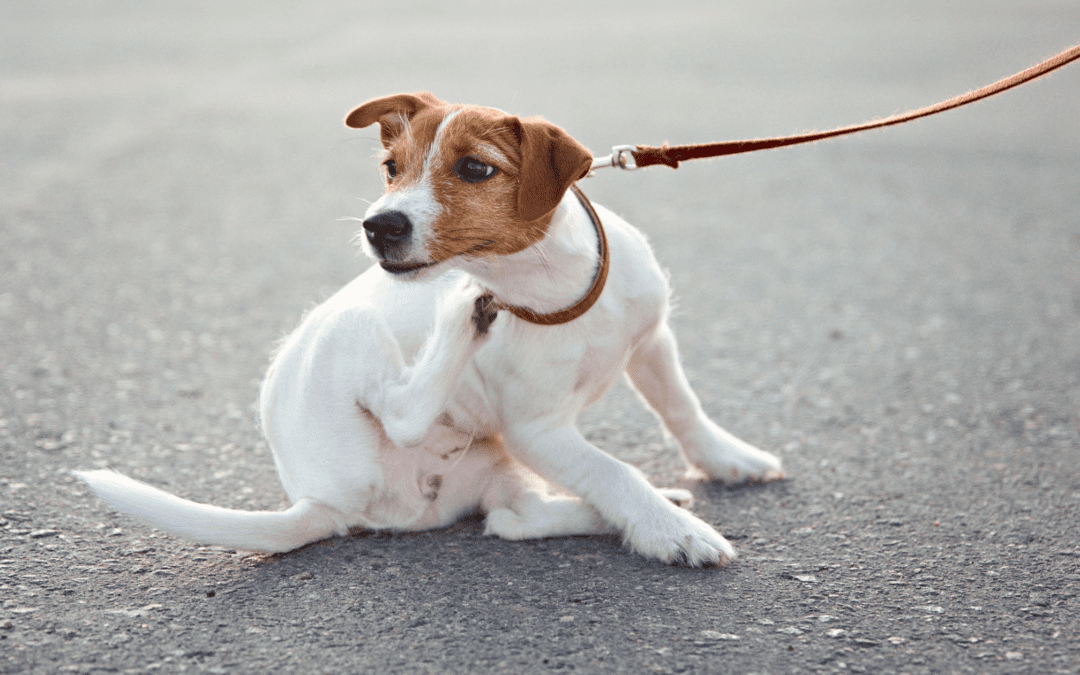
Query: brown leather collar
<point x="581" y="306"/>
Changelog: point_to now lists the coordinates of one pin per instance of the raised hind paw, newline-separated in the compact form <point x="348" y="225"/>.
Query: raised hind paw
<point x="485" y="309"/>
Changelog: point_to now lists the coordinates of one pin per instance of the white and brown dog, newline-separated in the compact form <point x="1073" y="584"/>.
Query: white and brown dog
<point x="449" y="376"/>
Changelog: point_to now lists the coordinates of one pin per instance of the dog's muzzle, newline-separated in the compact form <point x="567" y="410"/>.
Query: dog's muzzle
<point x="390" y="234"/>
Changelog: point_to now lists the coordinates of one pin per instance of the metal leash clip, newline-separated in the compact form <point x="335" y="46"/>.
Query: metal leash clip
<point x="621" y="156"/>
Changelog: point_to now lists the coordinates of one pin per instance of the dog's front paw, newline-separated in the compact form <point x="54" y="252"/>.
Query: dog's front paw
<point x="679" y="538"/>
<point x="485" y="309"/>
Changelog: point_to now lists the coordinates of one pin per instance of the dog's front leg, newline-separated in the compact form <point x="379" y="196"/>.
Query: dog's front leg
<point x="408" y="401"/>
<point x="655" y="371"/>
<point x="649" y="522"/>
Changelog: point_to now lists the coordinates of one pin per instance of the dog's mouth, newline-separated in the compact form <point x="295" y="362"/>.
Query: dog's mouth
<point x="404" y="268"/>
<point x="407" y="267"/>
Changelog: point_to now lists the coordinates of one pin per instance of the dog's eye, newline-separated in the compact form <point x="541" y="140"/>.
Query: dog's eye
<point x="391" y="169"/>
<point x="473" y="170"/>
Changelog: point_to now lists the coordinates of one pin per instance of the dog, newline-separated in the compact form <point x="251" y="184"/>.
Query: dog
<point x="448" y="377"/>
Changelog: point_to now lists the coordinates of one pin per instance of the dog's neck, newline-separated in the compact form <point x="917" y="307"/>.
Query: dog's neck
<point x="552" y="274"/>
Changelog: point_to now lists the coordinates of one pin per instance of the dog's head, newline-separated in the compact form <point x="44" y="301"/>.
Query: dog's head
<point x="462" y="180"/>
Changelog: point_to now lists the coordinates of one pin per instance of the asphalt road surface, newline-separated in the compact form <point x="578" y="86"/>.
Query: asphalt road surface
<point x="896" y="314"/>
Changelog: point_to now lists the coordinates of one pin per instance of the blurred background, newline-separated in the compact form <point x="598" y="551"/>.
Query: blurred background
<point x="897" y="314"/>
<point x="175" y="174"/>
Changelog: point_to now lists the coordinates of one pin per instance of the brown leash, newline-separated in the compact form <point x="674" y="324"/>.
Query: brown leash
<point x="644" y="155"/>
<point x="591" y="296"/>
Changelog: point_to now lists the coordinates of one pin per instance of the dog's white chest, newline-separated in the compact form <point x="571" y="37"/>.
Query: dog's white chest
<point x="529" y="372"/>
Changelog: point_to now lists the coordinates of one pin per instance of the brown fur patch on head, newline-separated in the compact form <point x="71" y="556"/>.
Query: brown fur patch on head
<point x="409" y="148"/>
<point x="480" y="218"/>
<point x="535" y="162"/>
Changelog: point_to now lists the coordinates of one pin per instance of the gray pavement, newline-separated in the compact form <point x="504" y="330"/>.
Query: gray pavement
<point x="897" y="315"/>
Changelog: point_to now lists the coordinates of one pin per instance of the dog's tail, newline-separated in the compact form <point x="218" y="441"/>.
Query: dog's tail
<point x="273" y="531"/>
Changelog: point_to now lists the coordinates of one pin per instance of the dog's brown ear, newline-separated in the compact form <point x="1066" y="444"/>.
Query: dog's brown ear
<point x="388" y="111"/>
<point x="551" y="161"/>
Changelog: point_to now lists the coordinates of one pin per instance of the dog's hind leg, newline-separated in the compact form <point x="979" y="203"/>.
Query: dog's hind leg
<point x="678" y="496"/>
<point x="656" y="373"/>
<point x="522" y="505"/>
<point x="539" y="516"/>
<point x="409" y="401"/>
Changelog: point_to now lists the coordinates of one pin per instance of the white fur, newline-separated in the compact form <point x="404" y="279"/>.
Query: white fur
<point x="388" y="384"/>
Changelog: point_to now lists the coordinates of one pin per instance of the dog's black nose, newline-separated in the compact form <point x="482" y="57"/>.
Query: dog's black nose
<point x="387" y="230"/>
